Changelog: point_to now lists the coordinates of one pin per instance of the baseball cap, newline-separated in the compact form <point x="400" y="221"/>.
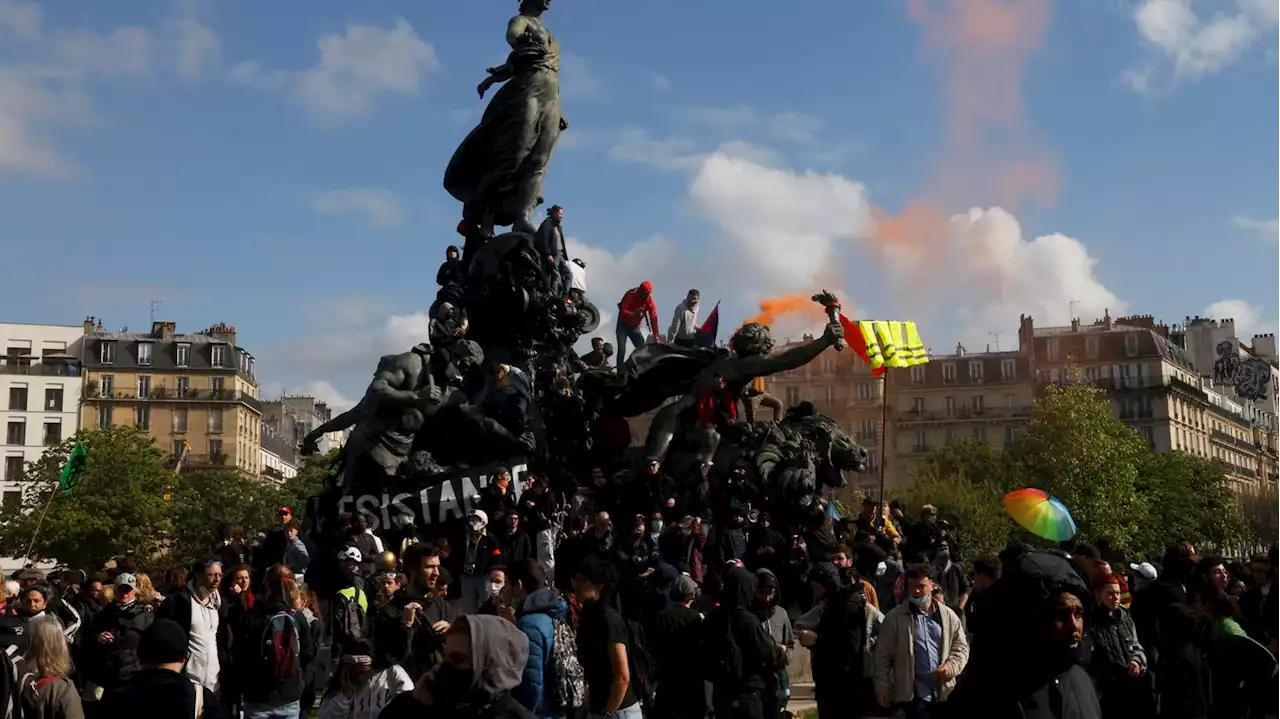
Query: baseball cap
<point x="286" y="510"/>
<point x="480" y="515"/>
<point x="684" y="588"/>
<point x="350" y="554"/>
<point x="125" y="579"/>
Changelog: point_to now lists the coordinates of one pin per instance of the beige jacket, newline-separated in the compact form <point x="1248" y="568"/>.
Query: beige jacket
<point x="895" y="652"/>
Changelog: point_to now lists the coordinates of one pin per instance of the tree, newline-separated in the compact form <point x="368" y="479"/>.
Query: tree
<point x="1188" y="498"/>
<point x="1075" y="450"/>
<point x="966" y="480"/>
<point x="117" y="508"/>
<point x="1261" y="512"/>
<point x="205" y="499"/>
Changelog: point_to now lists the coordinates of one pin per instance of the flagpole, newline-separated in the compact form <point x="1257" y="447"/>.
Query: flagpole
<point x="40" y="523"/>
<point x="884" y="428"/>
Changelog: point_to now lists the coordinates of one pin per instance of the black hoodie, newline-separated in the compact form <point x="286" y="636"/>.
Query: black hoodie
<point x="1014" y="669"/>
<point x="741" y="656"/>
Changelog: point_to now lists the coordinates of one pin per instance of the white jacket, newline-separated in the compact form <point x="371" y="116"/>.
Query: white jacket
<point x="381" y="689"/>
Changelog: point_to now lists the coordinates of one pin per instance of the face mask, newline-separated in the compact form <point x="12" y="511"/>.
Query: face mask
<point x="655" y="526"/>
<point x="881" y="568"/>
<point x="452" y="686"/>
<point x="494" y="588"/>
<point x="931" y="520"/>
<point x="476" y="526"/>
<point x="919" y="601"/>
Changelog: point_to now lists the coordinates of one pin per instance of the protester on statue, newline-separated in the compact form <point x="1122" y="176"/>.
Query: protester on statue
<point x="198" y="609"/>
<point x="550" y="243"/>
<point x="684" y="322"/>
<point x="598" y="357"/>
<point x="766" y="546"/>
<point x="498" y="498"/>
<point x="512" y="542"/>
<point x="653" y="489"/>
<point x="634" y="310"/>
<point x="363" y="538"/>
<point x="159" y="688"/>
<point x="451" y="270"/>
<point x="537" y="513"/>
<point x="470" y="566"/>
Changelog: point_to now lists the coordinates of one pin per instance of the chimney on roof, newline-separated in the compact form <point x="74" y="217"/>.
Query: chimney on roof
<point x="1106" y="318"/>
<point x="100" y="325"/>
<point x="163" y="330"/>
<point x="959" y="350"/>
<point x="88" y="325"/>
<point x="222" y="331"/>
<point x="1075" y="324"/>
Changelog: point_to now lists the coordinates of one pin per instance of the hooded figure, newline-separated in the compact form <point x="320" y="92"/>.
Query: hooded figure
<point x="1167" y="628"/>
<point x="1027" y="664"/>
<point x="775" y="621"/>
<point x="742" y="658"/>
<point x="485" y="659"/>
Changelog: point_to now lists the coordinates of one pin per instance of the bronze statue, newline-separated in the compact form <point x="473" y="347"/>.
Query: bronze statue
<point x="497" y="171"/>
<point x="726" y="376"/>
<point x="395" y="406"/>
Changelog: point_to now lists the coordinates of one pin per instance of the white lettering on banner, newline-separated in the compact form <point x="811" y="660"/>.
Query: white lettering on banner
<point x="452" y="498"/>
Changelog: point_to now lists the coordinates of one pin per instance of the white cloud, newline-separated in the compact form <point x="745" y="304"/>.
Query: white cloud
<point x="354" y="69"/>
<point x="796" y="126"/>
<point x="660" y="82"/>
<point x="577" y="79"/>
<point x="1250" y="319"/>
<point x="381" y="208"/>
<point x="46" y="82"/>
<point x="1266" y="229"/>
<point x="639" y="146"/>
<point x="1186" y="46"/>
<point x="343" y="350"/>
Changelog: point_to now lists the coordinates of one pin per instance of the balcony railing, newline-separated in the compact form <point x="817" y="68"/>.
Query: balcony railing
<point x="1233" y="468"/>
<point x="964" y="414"/>
<point x="161" y="394"/>
<point x="41" y="369"/>
<point x="1241" y="444"/>
<point x="200" y="460"/>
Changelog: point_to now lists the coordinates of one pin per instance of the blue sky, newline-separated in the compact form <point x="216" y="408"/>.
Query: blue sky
<point x="278" y="166"/>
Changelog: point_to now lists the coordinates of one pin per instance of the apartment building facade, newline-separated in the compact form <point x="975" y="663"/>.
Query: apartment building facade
<point x="40" y="382"/>
<point x="292" y="417"/>
<point x="194" y="394"/>
<point x="280" y="458"/>
<point x="981" y="396"/>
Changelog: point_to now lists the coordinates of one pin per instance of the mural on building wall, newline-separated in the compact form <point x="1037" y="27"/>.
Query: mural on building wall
<point x="1250" y="377"/>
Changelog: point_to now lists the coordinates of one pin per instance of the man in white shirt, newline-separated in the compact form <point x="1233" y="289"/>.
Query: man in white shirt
<point x="198" y="609"/>
<point x="684" y="323"/>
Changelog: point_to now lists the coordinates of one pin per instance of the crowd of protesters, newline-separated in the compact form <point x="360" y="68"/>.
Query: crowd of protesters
<point x="619" y="601"/>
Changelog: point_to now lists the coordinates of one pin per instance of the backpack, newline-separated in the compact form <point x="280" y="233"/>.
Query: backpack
<point x="281" y="647"/>
<point x="643" y="674"/>
<point x="570" y="681"/>
<point x="15" y="680"/>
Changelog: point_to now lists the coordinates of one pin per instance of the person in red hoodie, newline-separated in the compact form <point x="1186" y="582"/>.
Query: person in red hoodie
<point x="636" y="306"/>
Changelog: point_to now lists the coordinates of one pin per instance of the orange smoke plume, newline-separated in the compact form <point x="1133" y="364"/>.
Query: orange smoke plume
<point x="992" y="156"/>
<point x="772" y="308"/>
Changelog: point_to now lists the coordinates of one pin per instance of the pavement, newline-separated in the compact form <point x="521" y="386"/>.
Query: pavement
<point x="801" y="699"/>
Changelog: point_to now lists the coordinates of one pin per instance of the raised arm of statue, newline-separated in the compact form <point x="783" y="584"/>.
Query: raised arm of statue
<point x="356" y="414"/>
<point x="795" y="358"/>
<point x="389" y="383"/>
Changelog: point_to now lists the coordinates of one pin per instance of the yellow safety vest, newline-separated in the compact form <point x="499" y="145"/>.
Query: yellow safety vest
<point x="360" y="597"/>
<point x="892" y="344"/>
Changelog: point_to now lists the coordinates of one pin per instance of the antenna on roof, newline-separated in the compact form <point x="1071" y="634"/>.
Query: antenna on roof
<point x="996" y="337"/>
<point x="154" y="304"/>
<point x="1071" y="309"/>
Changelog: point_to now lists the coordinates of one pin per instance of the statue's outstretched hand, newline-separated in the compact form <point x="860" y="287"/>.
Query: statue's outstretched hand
<point x="310" y="444"/>
<point x="834" y="333"/>
<point x="564" y="123"/>
<point x="484" y="86"/>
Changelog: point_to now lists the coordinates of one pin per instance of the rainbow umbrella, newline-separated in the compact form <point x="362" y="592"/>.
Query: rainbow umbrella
<point x="1040" y="514"/>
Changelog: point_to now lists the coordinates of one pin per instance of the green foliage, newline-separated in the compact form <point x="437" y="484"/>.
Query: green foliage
<point x="1075" y="450"/>
<point x="1261" y="512"/>
<point x="118" y="507"/>
<point x="1189" y="498"/>
<point x="1116" y="487"/>
<point x="965" y="480"/>
<point x="129" y="502"/>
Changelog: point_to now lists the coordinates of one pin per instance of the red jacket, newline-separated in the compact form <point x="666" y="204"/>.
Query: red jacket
<point x="634" y="307"/>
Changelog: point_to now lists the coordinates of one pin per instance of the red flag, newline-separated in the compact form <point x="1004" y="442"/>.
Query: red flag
<point x="706" y="334"/>
<point x="858" y="343"/>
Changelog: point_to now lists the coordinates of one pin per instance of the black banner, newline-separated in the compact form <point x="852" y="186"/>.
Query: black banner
<point x="445" y="499"/>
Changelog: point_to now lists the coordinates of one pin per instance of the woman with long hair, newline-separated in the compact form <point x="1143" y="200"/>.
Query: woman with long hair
<point x="274" y="649"/>
<point x="147" y="594"/>
<point x="1238" y="672"/>
<point x="52" y="695"/>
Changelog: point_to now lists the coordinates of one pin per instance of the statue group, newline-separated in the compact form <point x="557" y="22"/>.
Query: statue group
<point x="498" y="385"/>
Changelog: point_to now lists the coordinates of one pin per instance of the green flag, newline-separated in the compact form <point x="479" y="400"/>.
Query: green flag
<point x="71" y="472"/>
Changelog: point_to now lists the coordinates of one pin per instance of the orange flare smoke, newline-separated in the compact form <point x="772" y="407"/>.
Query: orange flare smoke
<point x="772" y="308"/>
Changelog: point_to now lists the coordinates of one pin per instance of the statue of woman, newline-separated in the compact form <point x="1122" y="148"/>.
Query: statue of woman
<point x="497" y="171"/>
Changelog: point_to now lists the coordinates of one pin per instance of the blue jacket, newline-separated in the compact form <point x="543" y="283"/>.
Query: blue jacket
<point x="535" y="617"/>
